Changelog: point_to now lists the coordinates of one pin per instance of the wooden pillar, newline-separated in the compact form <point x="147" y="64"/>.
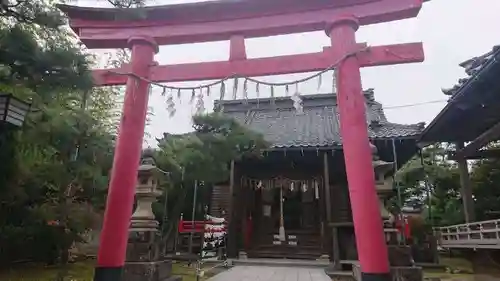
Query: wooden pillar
<point x="332" y="230"/>
<point x="231" y="235"/>
<point x="244" y="197"/>
<point x="335" y="246"/>
<point x="465" y="187"/>
<point x="321" y="205"/>
<point x="328" y="197"/>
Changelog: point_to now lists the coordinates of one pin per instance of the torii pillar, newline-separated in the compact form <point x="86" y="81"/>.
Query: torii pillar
<point x="370" y="240"/>
<point x="121" y="192"/>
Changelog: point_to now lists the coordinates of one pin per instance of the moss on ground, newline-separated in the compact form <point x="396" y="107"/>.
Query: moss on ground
<point x="79" y="271"/>
<point x="453" y="269"/>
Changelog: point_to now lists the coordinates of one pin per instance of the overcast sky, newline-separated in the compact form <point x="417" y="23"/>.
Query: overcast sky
<point x="451" y="30"/>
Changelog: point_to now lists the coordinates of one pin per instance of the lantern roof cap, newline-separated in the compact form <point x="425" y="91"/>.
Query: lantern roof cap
<point x="148" y="162"/>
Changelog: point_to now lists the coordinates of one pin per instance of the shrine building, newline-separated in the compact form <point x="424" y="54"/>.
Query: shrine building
<point x="305" y="167"/>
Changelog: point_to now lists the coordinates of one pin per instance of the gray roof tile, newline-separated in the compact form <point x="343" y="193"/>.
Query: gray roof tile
<point x="318" y="126"/>
<point x="473" y="102"/>
<point x="472" y="67"/>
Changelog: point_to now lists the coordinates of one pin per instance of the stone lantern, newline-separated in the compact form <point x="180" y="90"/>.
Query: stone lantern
<point x="143" y="260"/>
<point x="384" y="188"/>
<point x="383" y="182"/>
<point x="400" y="257"/>
<point x="143" y="219"/>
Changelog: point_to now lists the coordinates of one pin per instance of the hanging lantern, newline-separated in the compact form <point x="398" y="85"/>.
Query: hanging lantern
<point x="13" y="110"/>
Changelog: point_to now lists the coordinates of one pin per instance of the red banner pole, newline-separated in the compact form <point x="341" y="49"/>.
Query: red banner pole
<point x="120" y="200"/>
<point x="370" y="241"/>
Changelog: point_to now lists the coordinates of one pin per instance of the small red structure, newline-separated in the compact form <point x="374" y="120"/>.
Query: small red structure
<point x="144" y="30"/>
<point x="191" y="226"/>
<point x="404" y="227"/>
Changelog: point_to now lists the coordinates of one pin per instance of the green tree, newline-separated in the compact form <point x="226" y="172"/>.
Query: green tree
<point x="62" y="158"/>
<point x="485" y="176"/>
<point x="204" y="156"/>
<point x="433" y="183"/>
<point x="38" y="53"/>
<point x="437" y="185"/>
<point x="53" y="173"/>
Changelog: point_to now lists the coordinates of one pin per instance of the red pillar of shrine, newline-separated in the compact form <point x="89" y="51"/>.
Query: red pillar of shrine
<point x="370" y="241"/>
<point x="121" y="192"/>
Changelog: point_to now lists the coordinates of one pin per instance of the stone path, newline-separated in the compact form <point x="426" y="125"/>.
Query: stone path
<point x="271" y="273"/>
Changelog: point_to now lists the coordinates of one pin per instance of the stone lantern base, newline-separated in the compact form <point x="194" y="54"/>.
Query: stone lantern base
<point x="151" y="271"/>
<point x="143" y="261"/>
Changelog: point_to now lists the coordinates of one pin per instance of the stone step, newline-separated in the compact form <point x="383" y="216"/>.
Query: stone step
<point x="285" y="251"/>
<point x="284" y="255"/>
<point x="286" y="245"/>
<point x="281" y="262"/>
<point x="340" y="275"/>
<point x="313" y="244"/>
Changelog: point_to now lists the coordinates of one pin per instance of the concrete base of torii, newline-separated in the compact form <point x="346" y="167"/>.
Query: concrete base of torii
<point x="401" y="269"/>
<point x="150" y="271"/>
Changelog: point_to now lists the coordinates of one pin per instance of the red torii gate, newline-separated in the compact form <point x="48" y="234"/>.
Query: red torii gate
<point x="235" y="21"/>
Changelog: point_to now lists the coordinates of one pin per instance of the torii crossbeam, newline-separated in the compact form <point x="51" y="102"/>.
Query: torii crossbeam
<point x="236" y="20"/>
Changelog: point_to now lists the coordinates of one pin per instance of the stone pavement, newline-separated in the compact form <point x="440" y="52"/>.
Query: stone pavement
<point x="271" y="273"/>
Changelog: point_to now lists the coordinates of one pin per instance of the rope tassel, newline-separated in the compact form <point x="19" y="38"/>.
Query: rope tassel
<point x="170" y="105"/>
<point x="296" y="96"/>
<point x="235" y="88"/>
<point x="200" y="104"/>
<point x="334" y="81"/>
<point x="245" y="90"/>
<point x="272" y="96"/>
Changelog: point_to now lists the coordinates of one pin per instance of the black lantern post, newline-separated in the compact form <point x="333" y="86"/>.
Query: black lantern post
<point x="12" y="110"/>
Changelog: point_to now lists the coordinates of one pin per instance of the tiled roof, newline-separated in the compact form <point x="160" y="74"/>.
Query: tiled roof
<point x="474" y="102"/>
<point x="472" y="67"/>
<point x="318" y="126"/>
